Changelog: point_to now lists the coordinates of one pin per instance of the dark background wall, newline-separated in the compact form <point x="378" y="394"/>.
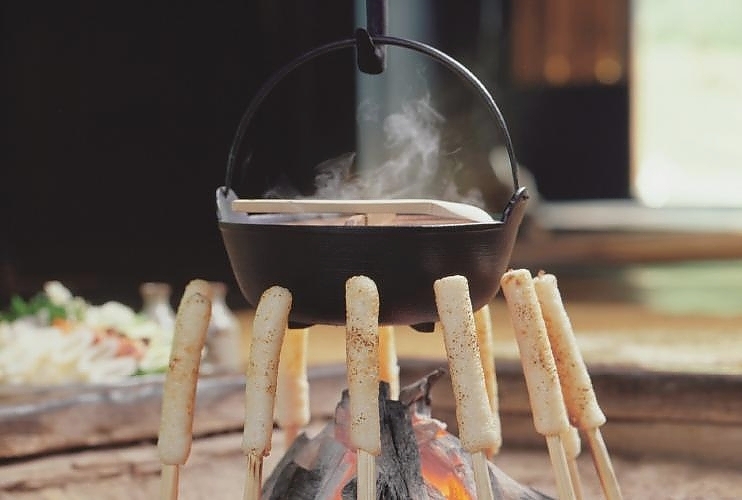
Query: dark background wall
<point x="118" y="118"/>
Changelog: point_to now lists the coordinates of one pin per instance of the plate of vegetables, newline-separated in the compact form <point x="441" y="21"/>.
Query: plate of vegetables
<point x="57" y="338"/>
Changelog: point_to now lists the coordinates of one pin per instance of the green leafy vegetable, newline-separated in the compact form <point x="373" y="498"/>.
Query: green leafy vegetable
<point x="152" y="371"/>
<point x="39" y="304"/>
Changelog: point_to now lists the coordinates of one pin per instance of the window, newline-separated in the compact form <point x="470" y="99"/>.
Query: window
<point x="687" y="103"/>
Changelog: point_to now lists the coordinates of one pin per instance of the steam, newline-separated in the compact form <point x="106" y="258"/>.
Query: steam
<point x="415" y="166"/>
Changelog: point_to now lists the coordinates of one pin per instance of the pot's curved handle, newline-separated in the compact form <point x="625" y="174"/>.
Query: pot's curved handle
<point x="452" y="64"/>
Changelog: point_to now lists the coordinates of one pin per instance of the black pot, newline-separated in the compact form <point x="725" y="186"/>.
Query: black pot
<point x="314" y="262"/>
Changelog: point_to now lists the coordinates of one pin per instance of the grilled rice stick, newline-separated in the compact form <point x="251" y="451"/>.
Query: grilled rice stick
<point x="539" y="368"/>
<point x="292" y="392"/>
<point x="577" y="388"/>
<point x="179" y="389"/>
<point x="362" y="358"/>
<point x="261" y="377"/>
<point x="388" y="365"/>
<point x="477" y="428"/>
<point x="483" y="322"/>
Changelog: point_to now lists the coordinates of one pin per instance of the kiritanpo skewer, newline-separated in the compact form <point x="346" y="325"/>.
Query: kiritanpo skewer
<point x="477" y="429"/>
<point x="577" y="388"/>
<point x="362" y="358"/>
<point x="261" y="378"/>
<point x="539" y="368"/>
<point x="292" y="393"/>
<point x="483" y="322"/>
<point x="388" y="365"/>
<point x="179" y="389"/>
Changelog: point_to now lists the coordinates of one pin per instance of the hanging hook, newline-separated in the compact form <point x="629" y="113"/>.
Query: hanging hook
<point x="370" y="57"/>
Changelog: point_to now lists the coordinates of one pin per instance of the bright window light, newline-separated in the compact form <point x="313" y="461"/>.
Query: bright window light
<point x="687" y="102"/>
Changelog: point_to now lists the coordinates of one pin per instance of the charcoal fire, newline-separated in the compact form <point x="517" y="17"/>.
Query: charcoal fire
<point x="419" y="458"/>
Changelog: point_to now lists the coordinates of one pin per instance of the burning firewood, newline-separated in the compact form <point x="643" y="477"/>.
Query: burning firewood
<point x="419" y="459"/>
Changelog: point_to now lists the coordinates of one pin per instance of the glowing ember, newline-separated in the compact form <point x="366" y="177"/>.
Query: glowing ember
<point x="419" y="458"/>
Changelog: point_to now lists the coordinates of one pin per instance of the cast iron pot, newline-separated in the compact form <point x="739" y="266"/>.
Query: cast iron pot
<point x="314" y="261"/>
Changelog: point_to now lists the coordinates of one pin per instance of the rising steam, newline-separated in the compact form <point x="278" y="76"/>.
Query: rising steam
<point x="415" y="166"/>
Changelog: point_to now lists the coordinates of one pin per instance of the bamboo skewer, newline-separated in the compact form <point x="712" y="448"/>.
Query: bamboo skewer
<point x="482" y="475"/>
<point x="572" y="448"/>
<point x="261" y="379"/>
<point x="179" y="389"/>
<point x="362" y="356"/>
<point x="559" y="463"/>
<point x="292" y="392"/>
<point x="539" y="368"/>
<point x="477" y="430"/>
<point x="485" y="340"/>
<point x="603" y="465"/>
<point x="576" y="386"/>
<point x="254" y="476"/>
<point x="388" y="364"/>
<point x="366" y="475"/>
<point x="574" y="474"/>
<point x="169" y="482"/>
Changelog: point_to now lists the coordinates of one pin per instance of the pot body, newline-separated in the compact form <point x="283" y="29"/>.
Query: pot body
<point x="314" y="262"/>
